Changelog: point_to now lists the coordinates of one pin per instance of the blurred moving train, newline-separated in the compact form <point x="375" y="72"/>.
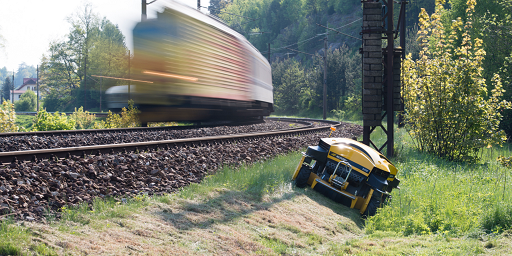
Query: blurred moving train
<point x="189" y="66"/>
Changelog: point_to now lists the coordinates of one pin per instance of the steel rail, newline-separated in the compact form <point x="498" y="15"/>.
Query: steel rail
<point x="33" y="155"/>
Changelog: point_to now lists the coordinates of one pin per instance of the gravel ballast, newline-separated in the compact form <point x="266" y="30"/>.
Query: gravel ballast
<point x="26" y="142"/>
<point x="30" y="190"/>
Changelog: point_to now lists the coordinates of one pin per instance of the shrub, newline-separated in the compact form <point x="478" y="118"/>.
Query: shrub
<point x="448" y="110"/>
<point x="27" y="102"/>
<point x="8" y="117"/>
<point x="48" y="122"/>
<point x="83" y="119"/>
<point x="128" y="118"/>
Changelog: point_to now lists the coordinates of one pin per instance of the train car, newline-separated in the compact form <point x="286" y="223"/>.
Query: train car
<point x="189" y="66"/>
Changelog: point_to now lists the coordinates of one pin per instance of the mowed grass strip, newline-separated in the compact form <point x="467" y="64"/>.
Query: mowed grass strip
<point x="255" y="209"/>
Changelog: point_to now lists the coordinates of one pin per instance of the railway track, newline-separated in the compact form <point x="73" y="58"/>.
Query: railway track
<point x="42" y="181"/>
<point x="67" y="152"/>
<point x="78" y="138"/>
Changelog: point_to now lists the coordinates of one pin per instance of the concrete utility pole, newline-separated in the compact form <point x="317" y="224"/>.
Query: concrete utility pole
<point x="101" y="92"/>
<point x="85" y="81"/>
<point x="198" y="5"/>
<point x="129" y="84"/>
<point x="37" y="84"/>
<point x="268" y="53"/>
<point x="325" y="78"/>
<point x="144" y="16"/>
<point x="12" y="86"/>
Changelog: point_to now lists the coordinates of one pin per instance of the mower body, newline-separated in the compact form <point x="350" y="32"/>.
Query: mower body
<point x="348" y="172"/>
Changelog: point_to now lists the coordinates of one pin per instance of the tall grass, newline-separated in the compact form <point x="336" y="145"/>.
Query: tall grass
<point x="255" y="179"/>
<point x="438" y="196"/>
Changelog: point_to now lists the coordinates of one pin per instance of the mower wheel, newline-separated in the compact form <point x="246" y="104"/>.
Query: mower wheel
<point x="303" y="176"/>
<point x="371" y="209"/>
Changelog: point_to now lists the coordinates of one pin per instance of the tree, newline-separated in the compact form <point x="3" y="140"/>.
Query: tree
<point x="217" y="5"/>
<point x="24" y="71"/>
<point x="290" y="82"/>
<point x="448" y="110"/>
<point x="6" y="89"/>
<point x="93" y="46"/>
<point x="27" y="102"/>
<point x="344" y="68"/>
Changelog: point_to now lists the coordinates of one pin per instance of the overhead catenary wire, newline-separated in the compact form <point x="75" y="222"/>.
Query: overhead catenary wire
<point x="305" y="40"/>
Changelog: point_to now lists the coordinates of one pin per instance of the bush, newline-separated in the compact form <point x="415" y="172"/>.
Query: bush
<point x="128" y="118"/>
<point x="448" y="110"/>
<point x="48" y="122"/>
<point x="57" y="102"/>
<point x="83" y="119"/>
<point x="8" y="117"/>
<point x="27" y="102"/>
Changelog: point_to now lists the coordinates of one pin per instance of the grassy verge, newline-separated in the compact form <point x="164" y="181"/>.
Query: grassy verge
<point x="442" y="197"/>
<point x="25" y="121"/>
<point x="442" y="208"/>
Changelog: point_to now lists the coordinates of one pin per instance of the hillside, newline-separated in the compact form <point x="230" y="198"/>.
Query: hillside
<point x="293" y="23"/>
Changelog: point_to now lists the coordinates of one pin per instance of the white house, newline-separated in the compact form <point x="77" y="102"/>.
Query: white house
<point x="28" y="84"/>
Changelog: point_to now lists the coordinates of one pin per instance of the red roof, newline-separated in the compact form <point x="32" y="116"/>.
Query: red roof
<point x="29" y="81"/>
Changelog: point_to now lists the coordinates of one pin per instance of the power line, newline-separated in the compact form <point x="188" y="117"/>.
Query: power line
<point x="305" y="40"/>
<point x="339" y="32"/>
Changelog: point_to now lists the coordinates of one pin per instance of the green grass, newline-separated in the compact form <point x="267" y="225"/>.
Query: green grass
<point x="25" y="121"/>
<point x="101" y="209"/>
<point x="255" y="179"/>
<point x="17" y="239"/>
<point x="442" y="197"/>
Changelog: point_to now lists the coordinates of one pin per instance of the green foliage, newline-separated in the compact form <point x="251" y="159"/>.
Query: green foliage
<point x="286" y="22"/>
<point x="127" y="118"/>
<point x="298" y="90"/>
<point x="83" y="119"/>
<point x="55" y="101"/>
<point x="48" y="122"/>
<point x="289" y="83"/>
<point x="27" y="102"/>
<point x="495" y="26"/>
<point x="8" y="117"/>
<point x="448" y="110"/>
<point x="6" y="89"/>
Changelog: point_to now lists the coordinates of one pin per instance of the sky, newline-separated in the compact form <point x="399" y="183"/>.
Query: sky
<point x="28" y="26"/>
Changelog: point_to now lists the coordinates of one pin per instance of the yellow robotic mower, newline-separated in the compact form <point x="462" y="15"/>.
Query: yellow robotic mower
<point x="348" y="172"/>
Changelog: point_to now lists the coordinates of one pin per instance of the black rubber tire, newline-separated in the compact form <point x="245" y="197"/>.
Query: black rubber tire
<point x="303" y="176"/>
<point x="371" y="209"/>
